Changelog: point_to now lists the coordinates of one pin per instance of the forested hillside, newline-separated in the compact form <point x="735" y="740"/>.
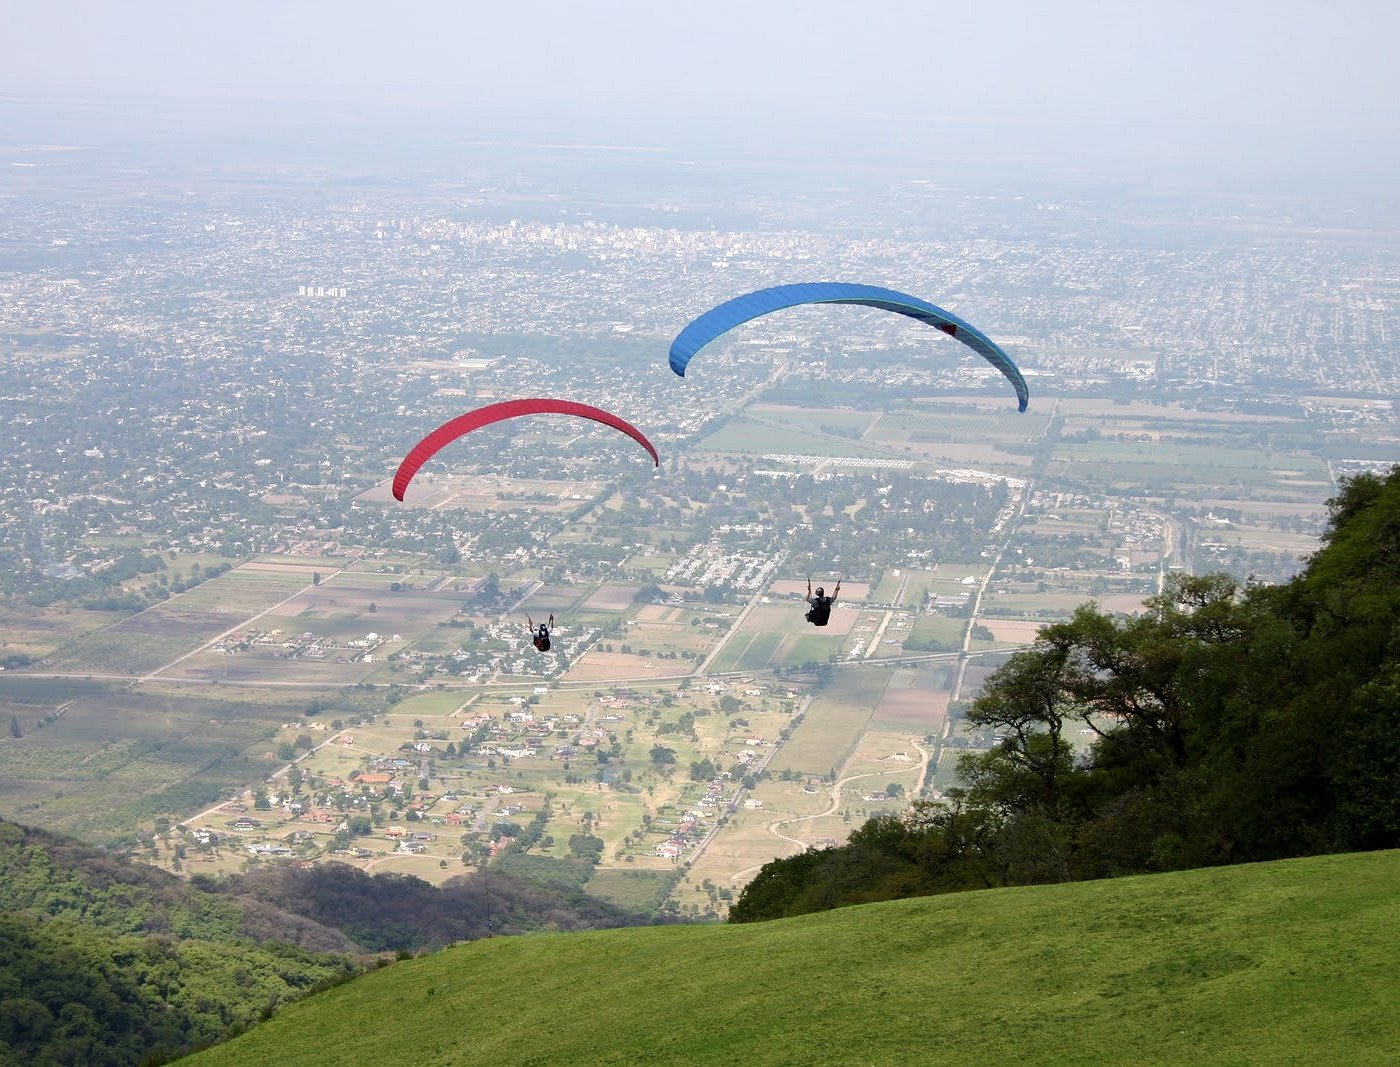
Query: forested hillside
<point x="402" y="913"/>
<point x="54" y="877"/>
<point x="1231" y="722"/>
<point x="71" y="993"/>
<point x="104" y="961"/>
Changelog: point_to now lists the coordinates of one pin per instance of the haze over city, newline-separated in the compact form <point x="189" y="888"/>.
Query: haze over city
<point x="1198" y="86"/>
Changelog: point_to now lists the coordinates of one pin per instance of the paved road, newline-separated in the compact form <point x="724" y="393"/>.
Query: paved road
<point x="982" y="589"/>
<point x="1173" y="546"/>
<point x="590" y="683"/>
<point x="879" y="633"/>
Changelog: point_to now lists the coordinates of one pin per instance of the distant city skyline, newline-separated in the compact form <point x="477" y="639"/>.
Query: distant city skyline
<point x="1283" y="84"/>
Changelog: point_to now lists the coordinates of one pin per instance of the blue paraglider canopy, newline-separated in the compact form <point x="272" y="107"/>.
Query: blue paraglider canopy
<point x="732" y="313"/>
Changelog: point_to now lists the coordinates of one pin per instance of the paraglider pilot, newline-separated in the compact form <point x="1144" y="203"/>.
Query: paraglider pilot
<point x="819" y="606"/>
<point x="540" y="634"/>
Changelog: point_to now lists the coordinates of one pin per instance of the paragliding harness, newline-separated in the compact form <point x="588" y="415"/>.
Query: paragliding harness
<point x="540" y="633"/>
<point x="819" y="613"/>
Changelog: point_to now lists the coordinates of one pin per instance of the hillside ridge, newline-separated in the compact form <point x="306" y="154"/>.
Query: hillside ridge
<point x="1288" y="960"/>
<point x="54" y="876"/>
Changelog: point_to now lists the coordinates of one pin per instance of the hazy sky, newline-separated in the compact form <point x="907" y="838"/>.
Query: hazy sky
<point x="1319" y="77"/>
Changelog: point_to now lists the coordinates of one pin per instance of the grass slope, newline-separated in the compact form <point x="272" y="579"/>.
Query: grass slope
<point x="1290" y="961"/>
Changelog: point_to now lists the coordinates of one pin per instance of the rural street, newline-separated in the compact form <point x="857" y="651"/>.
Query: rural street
<point x="982" y="589"/>
<point x="802" y="846"/>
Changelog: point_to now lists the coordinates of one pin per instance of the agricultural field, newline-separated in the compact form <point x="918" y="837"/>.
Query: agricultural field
<point x="650" y="562"/>
<point x="140" y="644"/>
<point x="936" y="633"/>
<point x="615" y="597"/>
<point x="957" y="433"/>
<point x="834" y="722"/>
<point x="1272" y="467"/>
<point x="1227" y="536"/>
<point x="1229" y="491"/>
<point x="916" y="701"/>
<point x="667" y="638"/>
<point x="959" y="423"/>
<point x="748" y="650"/>
<point x="779" y="635"/>
<point x="321" y="635"/>
<point x="641" y="891"/>
<point x="428" y="706"/>
<point x="100" y="762"/>
<point x="797" y="587"/>
<point x="1197" y="470"/>
<point x="252" y="587"/>
<point x="40" y="632"/>
<point x="842" y="422"/>
<point x="932" y="457"/>
<point x="386" y="580"/>
<point x="599" y="666"/>
<point x="1050" y="605"/>
<point x="1010" y="632"/>
<point x="750" y="436"/>
<point x="151" y="639"/>
<point x="552" y="598"/>
<point x="435" y="491"/>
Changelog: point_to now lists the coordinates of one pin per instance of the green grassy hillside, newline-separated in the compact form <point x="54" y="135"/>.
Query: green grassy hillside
<point x="1289" y="961"/>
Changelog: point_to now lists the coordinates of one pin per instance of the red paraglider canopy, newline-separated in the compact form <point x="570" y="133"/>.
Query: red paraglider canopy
<point x="508" y="409"/>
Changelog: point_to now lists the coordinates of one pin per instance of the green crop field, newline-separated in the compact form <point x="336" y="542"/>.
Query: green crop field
<point x="747" y="436"/>
<point x="556" y="598"/>
<point x="430" y="705"/>
<point x="152" y="638"/>
<point x="885" y="592"/>
<point x="116" y="652"/>
<point x="760" y="651"/>
<point x="954" y="425"/>
<point x="638" y="890"/>
<point x="747" y="651"/>
<point x="959" y="571"/>
<point x="113" y="760"/>
<point x="1181" y="465"/>
<point x="329" y="563"/>
<point x="22" y="689"/>
<point x="1296" y="962"/>
<point x="833" y="723"/>
<point x="1016" y="604"/>
<point x="242" y="592"/>
<point x="829" y="420"/>
<point x="812" y="649"/>
<point x="939" y="628"/>
<point x="375" y="580"/>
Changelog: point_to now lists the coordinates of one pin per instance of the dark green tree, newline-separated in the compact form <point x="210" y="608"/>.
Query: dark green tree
<point x="662" y="756"/>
